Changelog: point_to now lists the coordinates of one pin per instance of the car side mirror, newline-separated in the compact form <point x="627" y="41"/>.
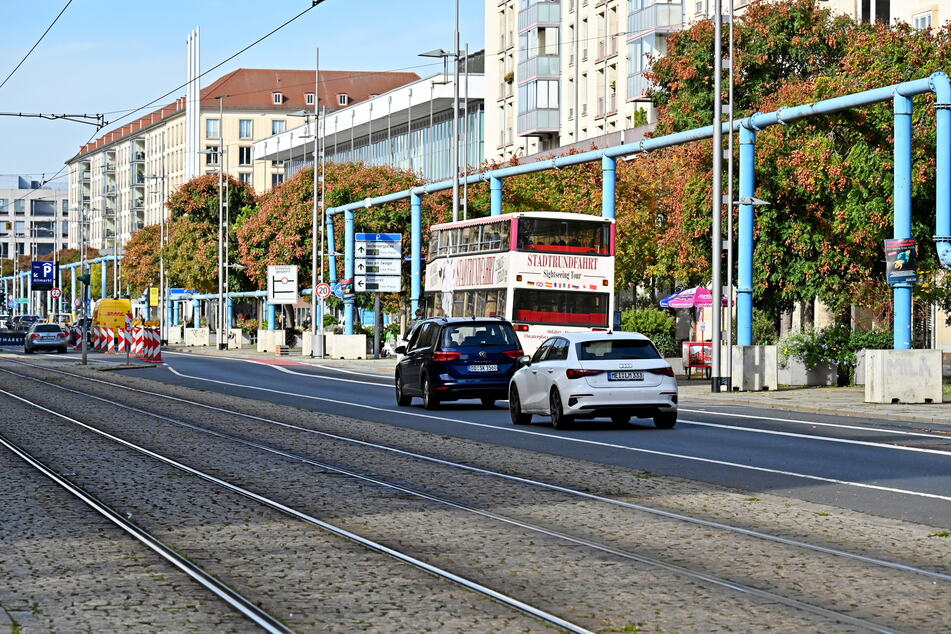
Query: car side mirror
<point x="400" y="349"/>
<point x="524" y="361"/>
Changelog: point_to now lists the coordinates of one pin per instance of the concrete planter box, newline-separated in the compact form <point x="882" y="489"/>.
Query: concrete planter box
<point x="197" y="337"/>
<point x="795" y="372"/>
<point x="347" y="346"/>
<point x="755" y="368"/>
<point x="236" y="339"/>
<point x="175" y="335"/>
<point x="903" y="376"/>
<point x="269" y="339"/>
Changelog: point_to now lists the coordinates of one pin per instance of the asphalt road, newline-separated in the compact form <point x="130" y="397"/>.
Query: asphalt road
<point x="898" y="471"/>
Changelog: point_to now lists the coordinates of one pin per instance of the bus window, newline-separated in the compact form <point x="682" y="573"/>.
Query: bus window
<point x="564" y="236"/>
<point x="565" y="308"/>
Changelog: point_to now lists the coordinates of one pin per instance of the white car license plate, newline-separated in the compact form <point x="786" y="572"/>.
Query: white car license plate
<point x="47" y="338"/>
<point x="625" y="376"/>
<point x="483" y="368"/>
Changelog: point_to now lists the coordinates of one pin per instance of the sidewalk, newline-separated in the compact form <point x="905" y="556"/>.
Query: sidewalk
<point x="832" y="401"/>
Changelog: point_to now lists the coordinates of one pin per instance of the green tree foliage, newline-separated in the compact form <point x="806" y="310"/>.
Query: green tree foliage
<point x="140" y="265"/>
<point x="191" y="253"/>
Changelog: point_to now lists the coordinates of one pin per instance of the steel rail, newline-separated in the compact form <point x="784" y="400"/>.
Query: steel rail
<point x="504" y="476"/>
<point x="683" y="571"/>
<point x="309" y="519"/>
<point x="223" y="591"/>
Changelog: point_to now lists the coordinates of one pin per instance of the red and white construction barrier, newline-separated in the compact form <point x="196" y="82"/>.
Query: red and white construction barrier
<point x="151" y="346"/>
<point x="138" y="340"/>
<point x="111" y="340"/>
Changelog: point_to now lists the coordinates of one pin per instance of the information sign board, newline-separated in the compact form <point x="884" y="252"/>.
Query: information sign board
<point x="377" y="283"/>
<point x="376" y="266"/>
<point x="42" y="276"/>
<point x="282" y="284"/>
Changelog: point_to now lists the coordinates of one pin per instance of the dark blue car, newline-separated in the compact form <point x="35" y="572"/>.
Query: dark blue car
<point x="447" y="359"/>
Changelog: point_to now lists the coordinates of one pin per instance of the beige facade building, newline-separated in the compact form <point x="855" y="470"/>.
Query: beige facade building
<point x="120" y="181"/>
<point x="572" y="72"/>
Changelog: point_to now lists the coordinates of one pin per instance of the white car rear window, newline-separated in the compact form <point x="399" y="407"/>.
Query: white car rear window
<point x="616" y="349"/>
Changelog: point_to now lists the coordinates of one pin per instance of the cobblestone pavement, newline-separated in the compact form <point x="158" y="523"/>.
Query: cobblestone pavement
<point x="600" y="591"/>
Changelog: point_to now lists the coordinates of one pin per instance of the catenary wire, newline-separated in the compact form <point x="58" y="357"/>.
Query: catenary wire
<point x="33" y="48"/>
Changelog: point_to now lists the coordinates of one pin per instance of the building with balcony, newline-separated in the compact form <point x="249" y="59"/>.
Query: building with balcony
<point x="409" y="127"/>
<point x="570" y="71"/>
<point x="34" y="218"/>
<point x="120" y="181"/>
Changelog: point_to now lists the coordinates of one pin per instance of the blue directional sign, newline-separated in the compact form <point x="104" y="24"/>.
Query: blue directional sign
<point x="43" y="276"/>
<point x="379" y="237"/>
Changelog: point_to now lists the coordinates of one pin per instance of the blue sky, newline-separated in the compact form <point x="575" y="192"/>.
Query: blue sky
<point x="110" y="55"/>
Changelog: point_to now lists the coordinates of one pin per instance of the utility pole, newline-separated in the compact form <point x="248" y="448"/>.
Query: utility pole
<point x="717" y="241"/>
<point x="316" y="315"/>
<point x="221" y="207"/>
<point x="729" y="225"/>
<point x="455" y="122"/>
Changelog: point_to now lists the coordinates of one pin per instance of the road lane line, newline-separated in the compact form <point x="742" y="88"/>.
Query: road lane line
<point x="815" y="423"/>
<point x="666" y="454"/>
<point x="280" y="368"/>
<point x="845" y="441"/>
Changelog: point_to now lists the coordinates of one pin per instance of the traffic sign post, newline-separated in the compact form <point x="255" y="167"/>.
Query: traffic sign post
<point x="378" y="266"/>
<point x="282" y="284"/>
<point x="55" y="293"/>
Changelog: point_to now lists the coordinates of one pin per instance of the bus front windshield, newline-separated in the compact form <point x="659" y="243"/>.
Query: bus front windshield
<point x="551" y="235"/>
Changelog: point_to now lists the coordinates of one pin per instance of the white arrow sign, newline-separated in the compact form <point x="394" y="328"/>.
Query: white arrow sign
<point x="377" y="267"/>
<point x="377" y="283"/>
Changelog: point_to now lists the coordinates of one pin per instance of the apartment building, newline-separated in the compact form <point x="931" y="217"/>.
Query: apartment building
<point x="566" y="71"/>
<point x="33" y="217"/>
<point x="120" y="181"/>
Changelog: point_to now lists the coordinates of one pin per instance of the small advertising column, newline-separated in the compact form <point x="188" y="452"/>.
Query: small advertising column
<point x="902" y="375"/>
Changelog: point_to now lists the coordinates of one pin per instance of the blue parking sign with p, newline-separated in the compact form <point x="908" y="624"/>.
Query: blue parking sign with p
<point x="43" y="276"/>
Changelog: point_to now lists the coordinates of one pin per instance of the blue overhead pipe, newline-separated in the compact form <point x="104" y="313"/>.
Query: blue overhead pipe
<point x="902" y="222"/>
<point x="608" y="185"/>
<point x="744" y="286"/>
<point x="331" y="251"/>
<point x="495" y="196"/>
<point x="348" y="248"/>
<point x="416" y="252"/>
<point x="942" y="89"/>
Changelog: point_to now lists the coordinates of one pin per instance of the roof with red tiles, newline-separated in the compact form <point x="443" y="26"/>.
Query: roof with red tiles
<point x="255" y="89"/>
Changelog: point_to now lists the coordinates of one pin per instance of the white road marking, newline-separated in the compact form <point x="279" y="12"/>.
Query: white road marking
<point x="287" y="370"/>
<point x="846" y="441"/>
<point x="817" y="424"/>
<point x="549" y="436"/>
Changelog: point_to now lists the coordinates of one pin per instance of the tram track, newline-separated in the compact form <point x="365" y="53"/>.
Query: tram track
<point x="624" y="553"/>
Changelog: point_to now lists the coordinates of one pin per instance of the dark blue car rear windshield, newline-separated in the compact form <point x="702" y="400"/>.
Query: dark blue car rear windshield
<point x="464" y="335"/>
<point x="616" y="349"/>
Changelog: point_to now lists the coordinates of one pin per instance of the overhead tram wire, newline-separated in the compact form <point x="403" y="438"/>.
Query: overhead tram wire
<point x="177" y="88"/>
<point x="33" y="48"/>
<point x="221" y="63"/>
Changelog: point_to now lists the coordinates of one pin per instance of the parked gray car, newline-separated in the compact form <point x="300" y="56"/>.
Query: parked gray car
<point x="43" y="336"/>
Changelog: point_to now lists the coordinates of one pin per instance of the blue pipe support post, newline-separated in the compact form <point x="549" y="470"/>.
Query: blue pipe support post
<point x="495" y="196"/>
<point x="332" y="252"/>
<point x="230" y="314"/>
<point x="942" y="89"/>
<point x="178" y="313"/>
<point x="348" y="246"/>
<point x="196" y="313"/>
<point x="416" y="251"/>
<point x="102" y="282"/>
<point x="608" y="185"/>
<point x="902" y="229"/>
<point x="744" y="287"/>
<point x="272" y="316"/>
<point x="72" y="285"/>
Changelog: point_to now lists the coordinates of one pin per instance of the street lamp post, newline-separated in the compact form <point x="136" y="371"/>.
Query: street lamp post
<point x="221" y="207"/>
<point x="717" y="245"/>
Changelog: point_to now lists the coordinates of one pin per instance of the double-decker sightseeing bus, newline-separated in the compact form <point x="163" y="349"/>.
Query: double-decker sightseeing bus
<point x="546" y="272"/>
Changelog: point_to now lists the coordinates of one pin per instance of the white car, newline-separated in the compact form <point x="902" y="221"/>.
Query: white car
<point x="591" y="374"/>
